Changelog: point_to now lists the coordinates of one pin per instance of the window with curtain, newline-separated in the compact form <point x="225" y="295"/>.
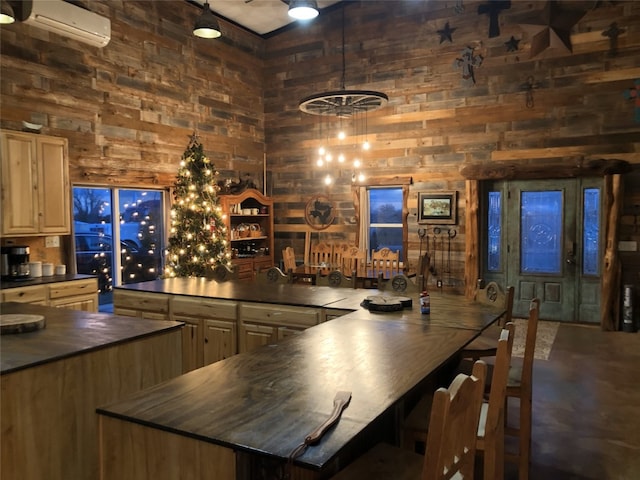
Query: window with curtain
<point x="383" y="223"/>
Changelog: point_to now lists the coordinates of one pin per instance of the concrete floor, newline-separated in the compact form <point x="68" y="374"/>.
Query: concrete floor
<point x="586" y="412"/>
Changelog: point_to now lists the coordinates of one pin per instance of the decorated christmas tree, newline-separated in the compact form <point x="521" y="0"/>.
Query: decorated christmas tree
<point x="198" y="238"/>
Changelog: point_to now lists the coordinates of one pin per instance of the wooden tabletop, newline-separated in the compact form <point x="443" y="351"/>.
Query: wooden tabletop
<point x="267" y="401"/>
<point x="67" y="333"/>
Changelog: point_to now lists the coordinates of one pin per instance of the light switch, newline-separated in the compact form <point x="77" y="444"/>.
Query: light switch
<point x="52" y="241"/>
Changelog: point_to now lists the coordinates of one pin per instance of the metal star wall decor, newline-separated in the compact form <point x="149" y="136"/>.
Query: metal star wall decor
<point x="512" y="44"/>
<point x="446" y="32"/>
<point x="551" y="28"/>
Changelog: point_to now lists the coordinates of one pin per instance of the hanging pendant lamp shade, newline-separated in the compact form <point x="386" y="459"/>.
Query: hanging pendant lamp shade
<point x="7" y="15"/>
<point x="206" y="25"/>
<point x="303" y="9"/>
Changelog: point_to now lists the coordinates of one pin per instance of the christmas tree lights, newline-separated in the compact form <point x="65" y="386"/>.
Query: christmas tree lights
<point x="198" y="236"/>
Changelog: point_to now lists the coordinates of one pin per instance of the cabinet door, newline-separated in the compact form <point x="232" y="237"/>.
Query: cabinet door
<point x="53" y="186"/>
<point x="254" y="336"/>
<point x="19" y="196"/>
<point x="191" y="343"/>
<point x="219" y="340"/>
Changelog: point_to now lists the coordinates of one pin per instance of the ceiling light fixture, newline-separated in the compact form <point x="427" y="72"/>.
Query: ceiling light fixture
<point x="343" y="104"/>
<point x="7" y="15"/>
<point x="206" y="25"/>
<point x="303" y="9"/>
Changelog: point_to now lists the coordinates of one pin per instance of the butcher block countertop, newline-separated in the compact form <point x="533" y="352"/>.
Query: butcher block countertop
<point x="68" y="333"/>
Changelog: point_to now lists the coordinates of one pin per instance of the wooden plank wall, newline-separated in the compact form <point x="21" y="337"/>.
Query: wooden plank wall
<point x="434" y="126"/>
<point x="129" y="108"/>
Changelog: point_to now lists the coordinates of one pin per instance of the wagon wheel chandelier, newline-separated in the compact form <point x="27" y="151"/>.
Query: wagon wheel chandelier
<point x="342" y="104"/>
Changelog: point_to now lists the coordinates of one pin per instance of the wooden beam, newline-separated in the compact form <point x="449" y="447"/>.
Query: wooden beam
<point x="548" y="169"/>
<point x="611" y="269"/>
<point x="472" y="245"/>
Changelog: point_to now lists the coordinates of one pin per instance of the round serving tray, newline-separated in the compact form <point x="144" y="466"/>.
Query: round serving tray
<point x="20" y="323"/>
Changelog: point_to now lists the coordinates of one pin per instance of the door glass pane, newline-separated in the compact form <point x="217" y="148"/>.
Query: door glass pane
<point x="141" y="230"/>
<point x="385" y="219"/>
<point x="591" y="231"/>
<point x="92" y="229"/>
<point x="494" y="231"/>
<point x="541" y="232"/>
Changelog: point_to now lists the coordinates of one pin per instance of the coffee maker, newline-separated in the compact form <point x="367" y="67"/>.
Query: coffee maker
<point x="15" y="262"/>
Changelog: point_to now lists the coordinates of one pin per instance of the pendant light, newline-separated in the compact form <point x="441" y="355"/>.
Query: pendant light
<point x="7" y="15"/>
<point x="343" y="104"/>
<point x="206" y="25"/>
<point x="303" y="9"/>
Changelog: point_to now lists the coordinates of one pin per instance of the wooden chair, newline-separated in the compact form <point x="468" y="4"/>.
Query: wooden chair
<point x="354" y="260"/>
<point x="339" y="249"/>
<point x="335" y="279"/>
<point x="490" y="428"/>
<point x="321" y="254"/>
<point x="272" y="275"/>
<point x="520" y="386"/>
<point x="451" y="440"/>
<point x="289" y="259"/>
<point x="486" y="344"/>
<point x="385" y="262"/>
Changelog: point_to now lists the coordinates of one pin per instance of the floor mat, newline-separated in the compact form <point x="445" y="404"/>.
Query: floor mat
<point x="544" y="339"/>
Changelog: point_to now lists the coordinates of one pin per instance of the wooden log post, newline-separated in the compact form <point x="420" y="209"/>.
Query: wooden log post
<point x="472" y="245"/>
<point x="611" y="269"/>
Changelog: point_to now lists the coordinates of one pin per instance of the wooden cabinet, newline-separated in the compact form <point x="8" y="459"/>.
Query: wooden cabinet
<point x="262" y="324"/>
<point x="249" y="221"/>
<point x="74" y="295"/>
<point x="35" y="185"/>
<point x="153" y="306"/>
<point x="210" y="329"/>
<point x="36" y="294"/>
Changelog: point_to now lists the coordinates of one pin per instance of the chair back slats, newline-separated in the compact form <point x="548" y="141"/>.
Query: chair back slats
<point x="385" y="262"/>
<point x="321" y="254"/>
<point x="491" y="425"/>
<point x="530" y="346"/>
<point x="339" y="249"/>
<point x="354" y="260"/>
<point x="451" y="441"/>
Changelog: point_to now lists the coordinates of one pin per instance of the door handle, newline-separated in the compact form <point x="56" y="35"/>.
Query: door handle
<point x="571" y="254"/>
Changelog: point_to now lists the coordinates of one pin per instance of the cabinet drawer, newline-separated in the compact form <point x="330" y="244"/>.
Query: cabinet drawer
<point x="72" y="289"/>
<point x="205" y="308"/>
<point x="142" y="301"/>
<point x="279" y="314"/>
<point x="25" y="294"/>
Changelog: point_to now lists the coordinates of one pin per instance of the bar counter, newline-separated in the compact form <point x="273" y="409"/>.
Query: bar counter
<point x="249" y="412"/>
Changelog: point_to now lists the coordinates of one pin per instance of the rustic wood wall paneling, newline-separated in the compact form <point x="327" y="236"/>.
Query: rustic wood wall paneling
<point x="129" y="108"/>
<point x="435" y="128"/>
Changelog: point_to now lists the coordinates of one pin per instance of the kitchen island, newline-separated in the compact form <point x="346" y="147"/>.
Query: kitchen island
<point x="241" y="417"/>
<point x="53" y="378"/>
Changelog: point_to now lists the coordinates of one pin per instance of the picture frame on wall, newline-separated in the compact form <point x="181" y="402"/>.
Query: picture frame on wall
<point x="439" y="208"/>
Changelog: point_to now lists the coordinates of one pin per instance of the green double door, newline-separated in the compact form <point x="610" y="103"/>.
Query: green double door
<point x="544" y="238"/>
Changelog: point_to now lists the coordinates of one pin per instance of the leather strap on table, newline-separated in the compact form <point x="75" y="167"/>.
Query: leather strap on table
<point x="340" y="402"/>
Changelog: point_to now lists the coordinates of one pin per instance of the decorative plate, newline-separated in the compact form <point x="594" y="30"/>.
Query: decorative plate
<point x="319" y="212"/>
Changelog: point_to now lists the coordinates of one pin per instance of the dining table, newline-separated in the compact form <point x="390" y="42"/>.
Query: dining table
<point x="365" y="277"/>
<point x="248" y="416"/>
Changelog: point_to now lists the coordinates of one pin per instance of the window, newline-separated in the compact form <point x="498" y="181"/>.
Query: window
<point x="385" y="220"/>
<point x="139" y="233"/>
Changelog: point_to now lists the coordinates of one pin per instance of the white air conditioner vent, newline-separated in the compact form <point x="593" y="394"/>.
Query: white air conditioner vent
<point x="68" y="20"/>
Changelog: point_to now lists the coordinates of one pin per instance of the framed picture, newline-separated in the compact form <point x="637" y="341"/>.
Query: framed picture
<point x="438" y="208"/>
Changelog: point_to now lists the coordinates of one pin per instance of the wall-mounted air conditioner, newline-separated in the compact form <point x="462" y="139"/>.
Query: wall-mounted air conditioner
<point x="68" y="20"/>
